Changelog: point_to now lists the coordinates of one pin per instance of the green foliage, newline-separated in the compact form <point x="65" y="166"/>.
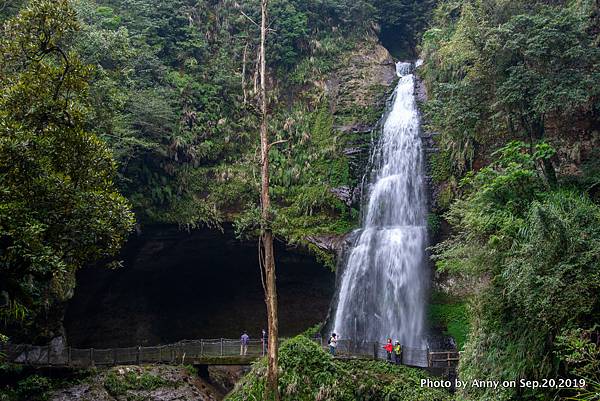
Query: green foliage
<point x="450" y="315"/>
<point x="22" y="383"/>
<point x="191" y="370"/>
<point x="434" y="223"/>
<point x="309" y="373"/>
<point x="29" y="388"/>
<point x="441" y="166"/>
<point x="402" y="23"/>
<point x="313" y="331"/>
<point x="117" y="384"/>
<point x="538" y="249"/>
<point x="169" y="98"/>
<point x="291" y="32"/>
<point x="327" y="259"/>
<point x="59" y="207"/>
<point x="33" y="388"/>
<point x="305" y="171"/>
<point x="579" y="352"/>
<point x="498" y="70"/>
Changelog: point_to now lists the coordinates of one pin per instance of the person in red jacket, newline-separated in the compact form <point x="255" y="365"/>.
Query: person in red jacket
<point x="389" y="347"/>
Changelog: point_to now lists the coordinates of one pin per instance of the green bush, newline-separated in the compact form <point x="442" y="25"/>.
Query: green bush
<point x="434" y="223"/>
<point x="117" y="384"/>
<point x="535" y="249"/>
<point x="308" y="373"/>
<point x="33" y="388"/>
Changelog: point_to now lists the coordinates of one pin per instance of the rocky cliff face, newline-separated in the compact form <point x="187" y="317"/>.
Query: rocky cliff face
<point x="357" y="91"/>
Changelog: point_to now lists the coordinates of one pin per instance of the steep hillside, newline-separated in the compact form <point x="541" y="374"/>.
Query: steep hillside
<point x="513" y="98"/>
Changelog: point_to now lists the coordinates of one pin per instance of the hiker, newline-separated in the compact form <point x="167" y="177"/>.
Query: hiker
<point x="265" y="341"/>
<point x="244" y="341"/>
<point x="332" y="343"/>
<point x="398" y="353"/>
<point x="389" y="347"/>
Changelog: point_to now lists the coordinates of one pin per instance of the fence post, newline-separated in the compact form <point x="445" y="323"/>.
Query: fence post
<point x="92" y="357"/>
<point x="137" y="357"/>
<point x="160" y="354"/>
<point x="114" y="355"/>
<point x="429" y="361"/>
<point x="374" y="350"/>
<point x="221" y="347"/>
<point x="201" y="348"/>
<point x="49" y="361"/>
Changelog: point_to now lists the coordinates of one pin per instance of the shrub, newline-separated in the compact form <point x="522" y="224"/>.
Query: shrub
<point x="33" y="388"/>
<point x="308" y="373"/>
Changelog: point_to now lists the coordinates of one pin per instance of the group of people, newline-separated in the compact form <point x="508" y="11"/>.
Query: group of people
<point x="394" y="351"/>
<point x="245" y="340"/>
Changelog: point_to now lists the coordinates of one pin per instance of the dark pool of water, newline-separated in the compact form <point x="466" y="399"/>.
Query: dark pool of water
<point x="205" y="284"/>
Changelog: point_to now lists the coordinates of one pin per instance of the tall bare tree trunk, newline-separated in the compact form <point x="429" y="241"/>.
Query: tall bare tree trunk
<point x="267" y="259"/>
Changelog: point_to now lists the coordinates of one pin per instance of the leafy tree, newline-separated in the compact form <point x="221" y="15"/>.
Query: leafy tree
<point x="59" y="207"/>
<point x="291" y="33"/>
<point x="547" y="66"/>
<point x="501" y="70"/>
<point x="537" y="250"/>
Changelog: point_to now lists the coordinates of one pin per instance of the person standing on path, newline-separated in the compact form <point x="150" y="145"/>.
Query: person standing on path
<point x="265" y="341"/>
<point x="332" y="343"/>
<point x="398" y="353"/>
<point x="389" y="347"/>
<point x="244" y="340"/>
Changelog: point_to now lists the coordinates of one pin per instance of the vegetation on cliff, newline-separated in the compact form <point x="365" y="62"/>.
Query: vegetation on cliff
<point x="158" y="99"/>
<point x="514" y="96"/>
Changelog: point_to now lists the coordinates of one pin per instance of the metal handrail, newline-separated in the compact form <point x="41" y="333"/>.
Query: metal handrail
<point x="206" y="350"/>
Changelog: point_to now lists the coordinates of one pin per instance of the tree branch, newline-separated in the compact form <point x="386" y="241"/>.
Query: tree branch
<point x="249" y="19"/>
<point x="277" y="143"/>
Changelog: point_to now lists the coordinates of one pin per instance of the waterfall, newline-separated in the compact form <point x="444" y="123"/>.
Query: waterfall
<point x="381" y="293"/>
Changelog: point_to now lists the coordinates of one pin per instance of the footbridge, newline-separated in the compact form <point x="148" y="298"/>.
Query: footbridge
<point x="220" y="351"/>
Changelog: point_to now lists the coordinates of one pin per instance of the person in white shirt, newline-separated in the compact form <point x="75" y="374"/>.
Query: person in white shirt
<point x="332" y="343"/>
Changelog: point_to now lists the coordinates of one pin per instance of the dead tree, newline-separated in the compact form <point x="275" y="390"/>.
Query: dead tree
<point x="266" y="254"/>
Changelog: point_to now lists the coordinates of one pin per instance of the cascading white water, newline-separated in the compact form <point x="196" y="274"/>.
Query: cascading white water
<point x="383" y="283"/>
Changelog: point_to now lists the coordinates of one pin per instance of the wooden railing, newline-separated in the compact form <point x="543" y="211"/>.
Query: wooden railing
<point x="443" y="359"/>
<point x="212" y="352"/>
